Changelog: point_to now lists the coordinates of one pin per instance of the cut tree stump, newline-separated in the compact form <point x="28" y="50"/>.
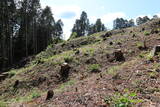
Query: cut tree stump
<point x="64" y="72"/>
<point x="155" y="50"/>
<point x="118" y="55"/>
<point x="50" y="95"/>
<point x="16" y="84"/>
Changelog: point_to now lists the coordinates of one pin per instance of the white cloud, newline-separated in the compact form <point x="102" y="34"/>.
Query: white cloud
<point x="58" y="10"/>
<point x="68" y="23"/>
<point x="102" y="7"/>
<point x="109" y="17"/>
<point x="158" y="14"/>
<point x="92" y="19"/>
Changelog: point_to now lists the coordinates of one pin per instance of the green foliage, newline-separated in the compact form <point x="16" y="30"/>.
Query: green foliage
<point x="120" y="23"/>
<point x="139" y="44"/>
<point x="146" y="33"/>
<point x="11" y="74"/>
<point x="81" y="25"/>
<point x="3" y="104"/>
<point x="123" y="100"/>
<point x="141" y="20"/>
<point x="33" y="33"/>
<point x="68" y="59"/>
<point x="14" y="72"/>
<point x="35" y="95"/>
<point x="149" y="56"/>
<point x="97" y="27"/>
<point x="94" y="67"/>
<point x="73" y="35"/>
<point x="58" y="29"/>
<point x="88" y="50"/>
<point x="153" y="74"/>
<point x="112" y="70"/>
<point x="143" y="54"/>
<point x="66" y="84"/>
<point x="156" y="66"/>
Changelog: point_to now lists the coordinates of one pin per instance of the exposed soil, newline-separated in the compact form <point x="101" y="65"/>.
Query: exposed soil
<point x="137" y="72"/>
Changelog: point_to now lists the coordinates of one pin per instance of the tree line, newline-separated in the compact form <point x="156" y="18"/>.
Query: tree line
<point x="25" y="29"/>
<point x="120" y="23"/>
<point x="82" y="26"/>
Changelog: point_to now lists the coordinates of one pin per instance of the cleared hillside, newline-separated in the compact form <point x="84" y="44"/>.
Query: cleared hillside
<point x="96" y="76"/>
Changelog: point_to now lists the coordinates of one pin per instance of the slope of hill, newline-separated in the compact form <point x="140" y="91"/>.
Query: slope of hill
<point x="113" y="68"/>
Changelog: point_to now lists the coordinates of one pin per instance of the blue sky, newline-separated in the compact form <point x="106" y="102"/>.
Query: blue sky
<point x="107" y="10"/>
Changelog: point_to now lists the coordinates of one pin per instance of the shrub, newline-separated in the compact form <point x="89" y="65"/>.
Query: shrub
<point x="89" y="51"/>
<point x="94" y="68"/>
<point x="12" y="73"/>
<point x="68" y="59"/>
<point x="143" y="54"/>
<point x="139" y="44"/>
<point x="146" y="33"/>
<point x="125" y="100"/>
<point x="35" y="95"/>
<point x="149" y="56"/>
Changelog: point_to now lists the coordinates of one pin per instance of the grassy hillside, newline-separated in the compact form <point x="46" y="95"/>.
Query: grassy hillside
<point x="96" y="78"/>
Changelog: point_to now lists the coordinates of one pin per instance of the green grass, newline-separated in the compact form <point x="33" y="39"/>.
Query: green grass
<point x="93" y="67"/>
<point x="60" y="56"/>
<point x="34" y="93"/>
<point x="3" y="104"/>
<point x="113" y="70"/>
<point x="89" y="49"/>
<point x="14" y="72"/>
<point x="63" y="86"/>
<point x="143" y="54"/>
<point x="126" y="99"/>
<point x="68" y="59"/>
<point x="146" y="55"/>
<point x="11" y="74"/>
<point x="146" y="33"/>
<point x="139" y="44"/>
<point x="156" y="66"/>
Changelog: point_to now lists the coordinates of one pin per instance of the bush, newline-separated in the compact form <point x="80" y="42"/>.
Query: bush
<point x="11" y="74"/>
<point x="149" y="57"/>
<point x="140" y="45"/>
<point x="68" y="59"/>
<point x="94" y="68"/>
<point x="146" y="33"/>
<point x="35" y="95"/>
<point x="125" y="100"/>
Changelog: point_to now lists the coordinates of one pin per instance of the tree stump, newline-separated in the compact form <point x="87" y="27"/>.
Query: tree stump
<point x="118" y="55"/>
<point x="91" y="61"/>
<point x="50" y="95"/>
<point x="64" y="72"/>
<point x="155" y="50"/>
<point x="16" y="84"/>
<point x="110" y="43"/>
